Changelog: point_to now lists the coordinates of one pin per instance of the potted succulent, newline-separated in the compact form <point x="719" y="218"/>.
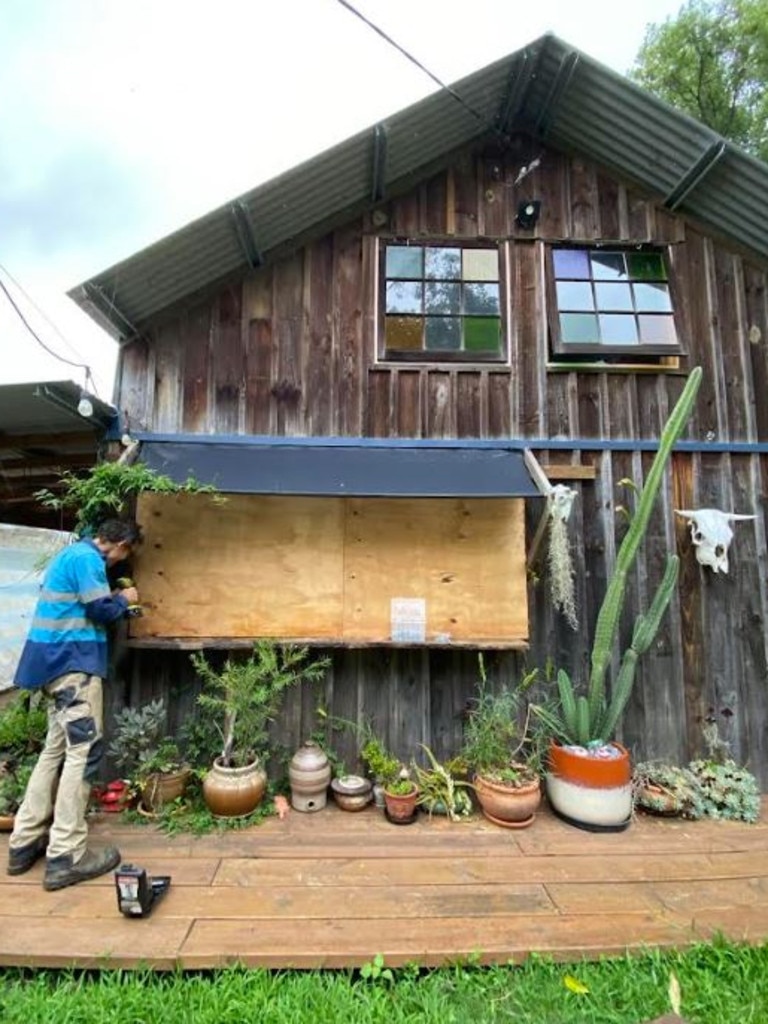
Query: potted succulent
<point x="23" y="725"/>
<point x="441" y="791"/>
<point x="589" y="782"/>
<point x="401" y="796"/>
<point x="244" y="695"/>
<point x="705" y="788"/>
<point x="152" y="760"/>
<point x="503" y="744"/>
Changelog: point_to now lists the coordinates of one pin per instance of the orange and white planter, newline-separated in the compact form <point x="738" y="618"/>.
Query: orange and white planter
<point x="592" y="793"/>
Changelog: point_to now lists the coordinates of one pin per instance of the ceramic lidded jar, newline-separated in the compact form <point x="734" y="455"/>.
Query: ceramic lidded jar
<point x="309" y="774"/>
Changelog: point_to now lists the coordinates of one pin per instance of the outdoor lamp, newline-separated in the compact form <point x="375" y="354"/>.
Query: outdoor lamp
<point x="528" y="213"/>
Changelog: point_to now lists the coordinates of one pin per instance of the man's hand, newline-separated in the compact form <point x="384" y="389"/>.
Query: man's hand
<point x="131" y="594"/>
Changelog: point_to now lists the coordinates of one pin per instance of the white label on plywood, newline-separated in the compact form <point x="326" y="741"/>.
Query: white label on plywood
<point x="408" y="616"/>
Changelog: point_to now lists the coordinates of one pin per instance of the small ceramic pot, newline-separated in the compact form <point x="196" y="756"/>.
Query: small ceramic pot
<point x="352" y="792"/>
<point x="309" y="773"/>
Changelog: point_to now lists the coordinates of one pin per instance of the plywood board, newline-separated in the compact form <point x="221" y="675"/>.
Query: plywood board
<point x="251" y="566"/>
<point x="330" y="568"/>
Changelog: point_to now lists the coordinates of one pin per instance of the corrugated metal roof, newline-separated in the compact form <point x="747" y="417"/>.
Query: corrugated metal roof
<point x="548" y="88"/>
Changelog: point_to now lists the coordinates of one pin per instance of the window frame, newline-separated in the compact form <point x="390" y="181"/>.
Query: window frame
<point x="446" y="356"/>
<point x="627" y="352"/>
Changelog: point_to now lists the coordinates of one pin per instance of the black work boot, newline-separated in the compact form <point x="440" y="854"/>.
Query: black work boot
<point x="61" y="872"/>
<point x="25" y="857"/>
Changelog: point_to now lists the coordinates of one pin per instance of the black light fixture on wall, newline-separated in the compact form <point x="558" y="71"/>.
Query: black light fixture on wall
<point x="528" y="211"/>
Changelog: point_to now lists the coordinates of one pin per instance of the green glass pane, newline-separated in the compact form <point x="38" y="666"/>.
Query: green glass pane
<point x="443" y="333"/>
<point x="652" y="298"/>
<point x="608" y="266"/>
<point x="579" y="328"/>
<point x="657" y="330"/>
<point x="442" y="297"/>
<point x="442" y="263"/>
<point x="571" y="263"/>
<point x="480" y="265"/>
<point x="482" y="334"/>
<point x="613" y="296"/>
<point x="405" y="261"/>
<point x="403" y="333"/>
<point x="481" y="299"/>
<point x="646" y="266"/>
<point x="617" y="329"/>
<point x="574" y="295"/>
<point x="403" y="297"/>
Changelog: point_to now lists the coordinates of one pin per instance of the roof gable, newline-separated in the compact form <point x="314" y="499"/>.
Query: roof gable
<point x="548" y="89"/>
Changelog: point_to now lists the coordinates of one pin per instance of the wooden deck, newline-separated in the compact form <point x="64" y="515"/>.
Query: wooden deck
<point x="333" y="889"/>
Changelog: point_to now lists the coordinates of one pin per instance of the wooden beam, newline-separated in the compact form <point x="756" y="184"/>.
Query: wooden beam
<point x="566" y="472"/>
<point x="21" y="442"/>
<point x="51" y="461"/>
<point x="227" y="643"/>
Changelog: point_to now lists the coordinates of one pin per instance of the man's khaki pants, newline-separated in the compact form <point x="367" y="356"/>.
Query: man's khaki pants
<point x="74" y="741"/>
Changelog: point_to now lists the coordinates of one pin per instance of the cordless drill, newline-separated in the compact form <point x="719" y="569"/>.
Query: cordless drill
<point x="133" y="611"/>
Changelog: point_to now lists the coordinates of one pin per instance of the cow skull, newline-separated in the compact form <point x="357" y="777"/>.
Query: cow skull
<point x="711" y="535"/>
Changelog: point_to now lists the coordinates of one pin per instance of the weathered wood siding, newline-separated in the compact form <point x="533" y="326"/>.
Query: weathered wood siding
<point x="290" y="350"/>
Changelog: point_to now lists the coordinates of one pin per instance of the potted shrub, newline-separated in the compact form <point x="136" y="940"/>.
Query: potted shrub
<point x="23" y="725"/>
<point x="440" y="790"/>
<point x="244" y="696"/>
<point x="589" y="782"/>
<point x="382" y="766"/>
<point x="150" y="758"/>
<point x="400" y="798"/>
<point x="503" y="744"/>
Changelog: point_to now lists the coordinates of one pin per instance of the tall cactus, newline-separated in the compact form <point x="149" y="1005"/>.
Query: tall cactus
<point x="590" y="719"/>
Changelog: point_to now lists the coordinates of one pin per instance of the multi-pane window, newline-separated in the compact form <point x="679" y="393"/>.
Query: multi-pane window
<point x="441" y="302"/>
<point x="611" y="301"/>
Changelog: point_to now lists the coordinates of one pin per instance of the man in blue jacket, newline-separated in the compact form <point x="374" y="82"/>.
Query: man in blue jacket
<point x="65" y="655"/>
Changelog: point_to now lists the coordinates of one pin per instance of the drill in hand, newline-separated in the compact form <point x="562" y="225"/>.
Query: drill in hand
<point x="133" y="611"/>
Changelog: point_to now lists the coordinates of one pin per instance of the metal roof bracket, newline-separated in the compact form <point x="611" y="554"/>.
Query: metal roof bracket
<point x="245" y="234"/>
<point x="521" y="73"/>
<point x="698" y="170"/>
<point x="106" y="313"/>
<point x="560" y="83"/>
<point x="379" y="163"/>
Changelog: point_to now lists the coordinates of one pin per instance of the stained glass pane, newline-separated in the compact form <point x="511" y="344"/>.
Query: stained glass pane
<point x="574" y="295"/>
<point x="579" y="328"/>
<point x="443" y="333"/>
<point x="657" y="330"/>
<point x="617" y="329"/>
<point x="480" y="265"/>
<point x="403" y="297"/>
<point x="646" y="266"/>
<point x="608" y="266"/>
<point x="571" y="263"/>
<point x="405" y="261"/>
<point x="482" y="334"/>
<point x="652" y="298"/>
<point x="481" y="299"/>
<point x="442" y="297"/>
<point x="403" y="333"/>
<point x="613" y="296"/>
<point x="442" y="263"/>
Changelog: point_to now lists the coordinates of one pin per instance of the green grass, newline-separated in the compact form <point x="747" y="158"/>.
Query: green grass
<point x="720" y="983"/>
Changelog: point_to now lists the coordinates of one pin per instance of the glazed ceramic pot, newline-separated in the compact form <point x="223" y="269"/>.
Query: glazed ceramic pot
<point x="234" y="792"/>
<point x="309" y="774"/>
<point x="352" y="792"/>
<point x="506" y="805"/>
<point x="163" y="788"/>
<point x="588" y="791"/>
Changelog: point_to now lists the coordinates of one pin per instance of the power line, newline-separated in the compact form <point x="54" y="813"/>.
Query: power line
<point x="38" y="310"/>
<point x="42" y="344"/>
<point x="475" y="113"/>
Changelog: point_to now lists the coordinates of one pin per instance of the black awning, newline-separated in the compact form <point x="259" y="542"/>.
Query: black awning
<point x="355" y="470"/>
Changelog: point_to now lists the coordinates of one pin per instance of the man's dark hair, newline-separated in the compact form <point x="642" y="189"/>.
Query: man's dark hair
<point x="120" y="531"/>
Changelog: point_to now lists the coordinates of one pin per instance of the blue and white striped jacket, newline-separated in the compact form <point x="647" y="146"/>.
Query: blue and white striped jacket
<point x="68" y="631"/>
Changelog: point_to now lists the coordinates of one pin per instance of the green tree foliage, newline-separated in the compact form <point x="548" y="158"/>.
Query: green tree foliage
<point x="711" y="61"/>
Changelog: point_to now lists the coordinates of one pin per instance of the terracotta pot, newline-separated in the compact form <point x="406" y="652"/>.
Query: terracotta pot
<point x="401" y="808"/>
<point x="163" y="788"/>
<point x="234" y="792"/>
<point x="309" y="774"/>
<point x="509" y="806"/>
<point x="6" y="822"/>
<point x="592" y="793"/>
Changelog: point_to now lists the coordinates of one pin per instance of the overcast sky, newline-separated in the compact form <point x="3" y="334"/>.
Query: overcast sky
<point x="122" y="121"/>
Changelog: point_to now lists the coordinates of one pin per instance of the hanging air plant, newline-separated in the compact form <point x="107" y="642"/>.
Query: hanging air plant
<point x="559" y="561"/>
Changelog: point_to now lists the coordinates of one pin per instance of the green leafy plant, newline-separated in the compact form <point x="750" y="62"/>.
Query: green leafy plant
<point x="246" y="694"/>
<point x="23" y="724"/>
<point x="381" y="765"/>
<point x="14" y="776"/>
<point x="140" y="743"/>
<point x="439" y="788"/>
<point x="705" y="788"/>
<point x="591" y="719"/>
<point x="107" y="490"/>
<point x="667" y="789"/>
<point x="401" y="786"/>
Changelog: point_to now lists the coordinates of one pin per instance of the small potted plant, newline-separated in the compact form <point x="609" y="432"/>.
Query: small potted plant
<point x="666" y="789"/>
<point x="441" y="791"/>
<point x="382" y="766"/>
<point x="141" y="746"/>
<point x="245" y="695"/>
<point x="401" y="796"/>
<point x="503" y="744"/>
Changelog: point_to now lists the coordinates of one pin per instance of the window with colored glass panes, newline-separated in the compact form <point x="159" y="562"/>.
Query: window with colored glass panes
<point x="441" y="301"/>
<point x="612" y="300"/>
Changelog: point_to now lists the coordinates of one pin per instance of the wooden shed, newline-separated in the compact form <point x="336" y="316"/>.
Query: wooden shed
<point x="361" y="351"/>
